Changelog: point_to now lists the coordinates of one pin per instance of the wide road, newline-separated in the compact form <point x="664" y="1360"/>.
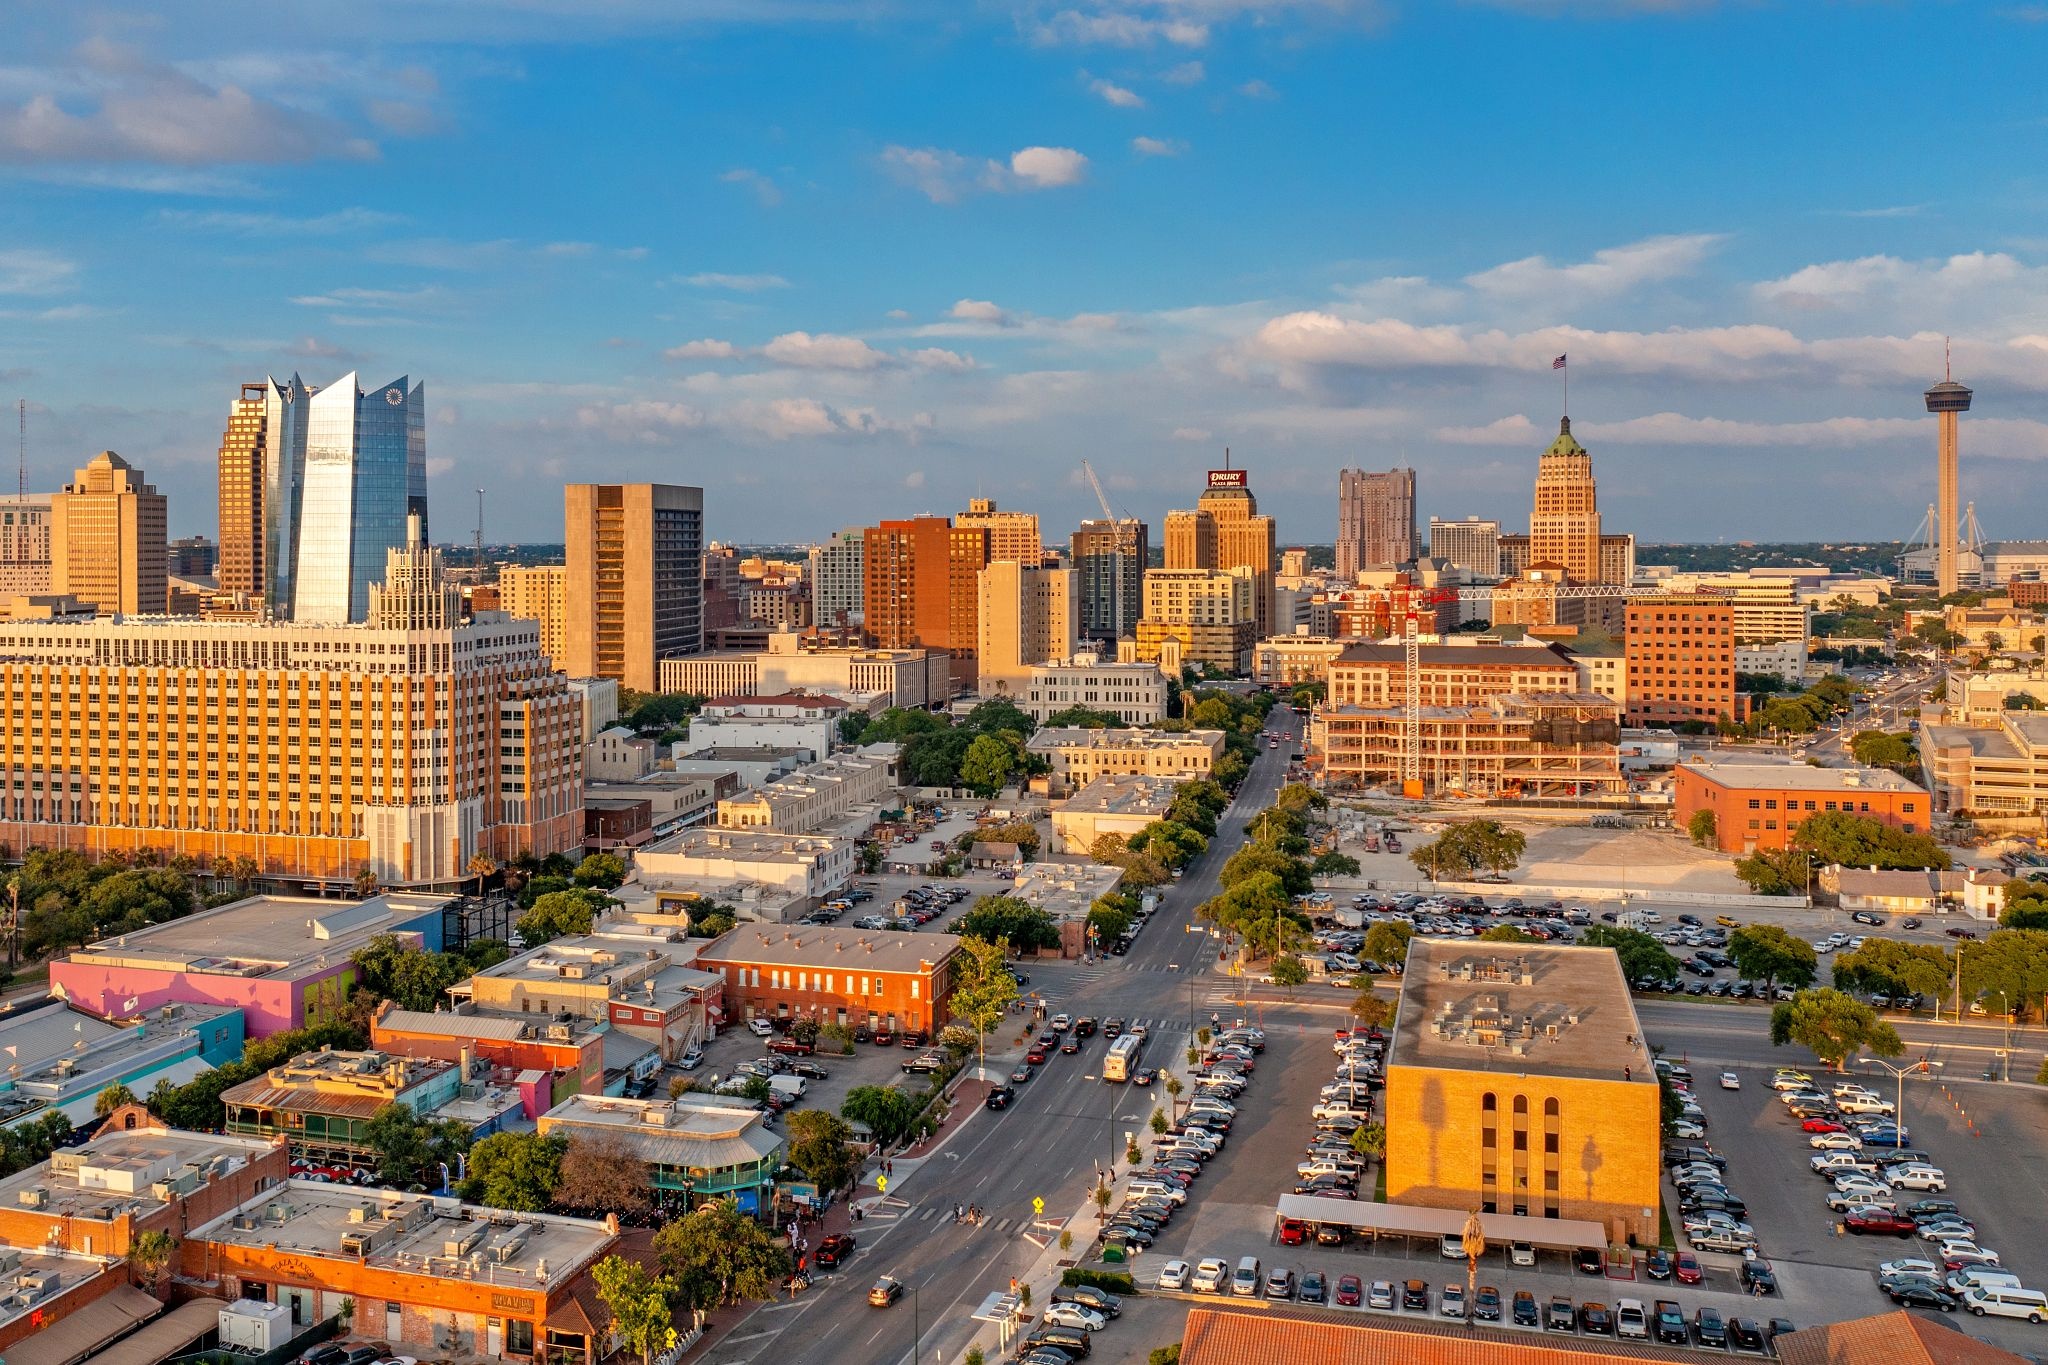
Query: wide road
<point x="1049" y="1144"/>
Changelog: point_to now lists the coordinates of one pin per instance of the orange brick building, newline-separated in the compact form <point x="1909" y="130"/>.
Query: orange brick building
<point x="877" y="978"/>
<point x="1450" y="675"/>
<point x="921" y="588"/>
<point x="1680" y="653"/>
<point x="1758" y="805"/>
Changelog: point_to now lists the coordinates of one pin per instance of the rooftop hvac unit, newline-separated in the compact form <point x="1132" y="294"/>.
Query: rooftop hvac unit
<point x="510" y="1247"/>
<point x="558" y="1033"/>
<point x="36" y="1283"/>
<point x="360" y="1213"/>
<point x="10" y="1260"/>
<point x="357" y="1244"/>
<point x="461" y="1246"/>
<point x="35" y="1197"/>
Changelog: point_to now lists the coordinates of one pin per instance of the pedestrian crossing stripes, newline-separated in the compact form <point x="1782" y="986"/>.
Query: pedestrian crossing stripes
<point x="933" y="1211"/>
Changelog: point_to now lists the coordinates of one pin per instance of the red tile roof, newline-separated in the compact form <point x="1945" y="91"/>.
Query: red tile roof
<point x="1899" y="1338"/>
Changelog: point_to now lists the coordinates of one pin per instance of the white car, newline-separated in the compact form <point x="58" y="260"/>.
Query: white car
<point x="1730" y="1081"/>
<point x="1841" y="1201"/>
<point x="1453" y="1303"/>
<point x="1074" y="1315"/>
<point x="1910" y="1265"/>
<point x="1864" y="1104"/>
<point x="760" y="1028"/>
<point x="1835" y="1142"/>
<point x="1791" y="1080"/>
<point x="1953" y="1247"/>
<point x="691" y="1060"/>
<point x="1176" y="1274"/>
<point x="1917" y="1178"/>
<point x="1210" y="1277"/>
<point x="1688" y="1128"/>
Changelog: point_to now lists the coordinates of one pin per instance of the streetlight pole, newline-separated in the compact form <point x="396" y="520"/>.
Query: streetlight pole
<point x="1899" y="1074"/>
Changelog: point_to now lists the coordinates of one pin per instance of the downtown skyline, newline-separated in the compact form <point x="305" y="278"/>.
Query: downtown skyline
<point x="838" y="263"/>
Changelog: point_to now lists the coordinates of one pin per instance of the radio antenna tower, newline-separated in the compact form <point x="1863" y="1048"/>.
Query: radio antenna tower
<point x="479" y="534"/>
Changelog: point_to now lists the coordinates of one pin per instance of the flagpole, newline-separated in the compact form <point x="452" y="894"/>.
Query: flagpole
<point x="1566" y="371"/>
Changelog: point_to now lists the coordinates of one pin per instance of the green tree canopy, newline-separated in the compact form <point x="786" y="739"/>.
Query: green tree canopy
<point x="561" y="914"/>
<point x="642" y="1304"/>
<point x="2008" y="971"/>
<point x="1768" y="953"/>
<point x="1893" y="968"/>
<point x="1005" y="919"/>
<point x="887" y="1111"/>
<point x="1775" y="871"/>
<point x="1703" y="828"/>
<point x="820" y="1146"/>
<point x="112" y="1098"/>
<point x="1387" y="942"/>
<point x="605" y="871"/>
<point x="395" y="969"/>
<point x="518" y="1171"/>
<point x="1256" y="859"/>
<point x="1642" y="956"/>
<point x="1334" y="864"/>
<point x="1846" y="840"/>
<point x="1880" y="749"/>
<point x="1506" y="933"/>
<point x="717" y="1256"/>
<point x="1289" y="971"/>
<point x="990" y="759"/>
<point x="1175" y="845"/>
<point x="1466" y="846"/>
<point x="1832" y="1026"/>
<point x="983" y="985"/>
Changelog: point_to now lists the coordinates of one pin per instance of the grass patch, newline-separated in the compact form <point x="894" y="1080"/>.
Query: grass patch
<point x="1665" y="1238"/>
<point x="1379" y="1183"/>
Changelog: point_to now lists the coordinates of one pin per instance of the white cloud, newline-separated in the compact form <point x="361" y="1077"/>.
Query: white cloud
<point x="1116" y="28"/>
<point x="35" y="272"/>
<point x="914" y="479"/>
<point x="742" y="284"/>
<point x="277" y="224"/>
<point x="1048" y="167"/>
<point x="1974" y="287"/>
<point x="1613" y="270"/>
<point x="1258" y="90"/>
<point x="824" y="351"/>
<point x="1122" y="97"/>
<point x="765" y="189"/>
<point x="1994" y="438"/>
<point x="1191" y="434"/>
<point x="1187" y="73"/>
<point x="378" y="299"/>
<point x="1158" y="146"/>
<point x="980" y="317"/>
<point x="939" y="359"/>
<point x="1516" y="430"/>
<point x="980" y="310"/>
<point x="646" y="420"/>
<point x="708" y="348"/>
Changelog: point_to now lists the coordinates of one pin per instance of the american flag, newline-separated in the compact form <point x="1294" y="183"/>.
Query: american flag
<point x="1557" y="364"/>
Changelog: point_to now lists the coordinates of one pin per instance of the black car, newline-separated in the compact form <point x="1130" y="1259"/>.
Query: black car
<point x="1314" y="1288"/>
<point x="1745" y="1335"/>
<point x="1415" y="1296"/>
<point x="1670" y="1326"/>
<point x="323" y="1355"/>
<point x="1000" y="1097"/>
<point x="1657" y="1265"/>
<point x="834" y="1250"/>
<point x="1921" y="1294"/>
<point x="1595" y="1320"/>
<point x="1778" y="1327"/>
<point x="1486" y="1304"/>
<point x="1710" y="1330"/>
<point x="1590" y="1261"/>
<point x="1524" y="1309"/>
<point x="1073" y="1340"/>
<point x="1071" y="1043"/>
<point x="1088" y="1296"/>
<point x="1084" y="1027"/>
<point x="1758" y="1278"/>
<point x="809" y="1070"/>
<point x="1559" y="1316"/>
<point x="1928" y="1208"/>
<point x="1332" y="1234"/>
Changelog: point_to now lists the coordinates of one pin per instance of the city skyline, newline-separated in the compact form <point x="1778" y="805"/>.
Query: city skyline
<point x="849" y="288"/>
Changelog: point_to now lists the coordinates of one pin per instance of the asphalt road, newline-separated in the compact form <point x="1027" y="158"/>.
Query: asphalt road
<point x="1048" y="1144"/>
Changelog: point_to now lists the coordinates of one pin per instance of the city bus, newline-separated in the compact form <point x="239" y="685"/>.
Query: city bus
<point x="1123" y="1057"/>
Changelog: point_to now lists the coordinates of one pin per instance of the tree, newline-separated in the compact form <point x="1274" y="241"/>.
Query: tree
<point x="151" y="1256"/>
<point x="1022" y="833"/>
<point x="1334" y="864"/>
<point x="1507" y="933"/>
<point x="1880" y="749"/>
<point x="1289" y="971"/>
<point x="1642" y="956"/>
<point x="1387" y="942"/>
<point x="482" y="867"/>
<point x="990" y="759"/>
<point x="391" y="968"/>
<point x="1775" y="871"/>
<point x="2008" y="971"/>
<point x="1767" y="953"/>
<point x="602" y="1174"/>
<point x="1110" y="917"/>
<point x="1890" y="967"/>
<point x="1369" y="1009"/>
<point x="1845" y="840"/>
<point x="885" y="1111"/>
<point x="412" y="1151"/>
<point x="1173" y="1093"/>
<point x="820" y="1146"/>
<point x="112" y="1098"/>
<point x="605" y="871"/>
<point x="1174" y="844"/>
<point x="1832" y="1026"/>
<point x="718" y="1256"/>
<point x="1005" y="919"/>
<point x="640" y="1302"/>
<point x="1253" y="859"/>
<point x="983" y="989"/>
<point x="518" y="1171"/>
<point x="1369" y="1140"/>
<point x="561" y="914"/>
<point x="1703" y="828"/>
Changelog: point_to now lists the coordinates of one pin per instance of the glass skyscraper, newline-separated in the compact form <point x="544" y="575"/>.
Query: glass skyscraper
<point x="345" y="467"/>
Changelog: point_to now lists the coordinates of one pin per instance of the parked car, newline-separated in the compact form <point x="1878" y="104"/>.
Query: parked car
<point x="1558" y="1315"/>
<point x="833" y="1251"/>
<point x="1709" y="1329"/>
<point x="1175" y="1275"/>
<point x="1523" y="1309"/>
<point x="1350" y="1292"/>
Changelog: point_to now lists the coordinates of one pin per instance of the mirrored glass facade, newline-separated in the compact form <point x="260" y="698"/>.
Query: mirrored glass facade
<point x="364" y="473"/>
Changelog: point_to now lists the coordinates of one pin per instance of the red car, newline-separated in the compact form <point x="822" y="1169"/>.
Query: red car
<point x="1036" y="1056"/>
<point x="1293" y="1232"/>
<point x="1820" y="1125"/>
<point x="1349" y="1291"/>
<point x="1688" y="1268"/>
<point x="1876" y="1220"/>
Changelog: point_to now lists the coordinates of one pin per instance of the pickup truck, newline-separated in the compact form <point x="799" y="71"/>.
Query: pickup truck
<point x="924" y="1062"/>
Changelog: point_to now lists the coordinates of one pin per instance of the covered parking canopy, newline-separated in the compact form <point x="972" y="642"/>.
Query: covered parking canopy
<point x="1413" y="1220"/>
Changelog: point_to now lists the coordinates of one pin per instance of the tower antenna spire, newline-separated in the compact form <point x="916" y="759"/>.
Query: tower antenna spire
<point x="1947" y="370"/>
<point x="21" y="452"/>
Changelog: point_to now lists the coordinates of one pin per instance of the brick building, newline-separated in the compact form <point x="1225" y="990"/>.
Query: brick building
<point x="921" y="588"/>
<point x="1681" y="659"/>
<point x="884" y="980"/>
<point x="549" y="1059"/>
<point x="1451" y="675"/>
<point x="1756" y="804"/>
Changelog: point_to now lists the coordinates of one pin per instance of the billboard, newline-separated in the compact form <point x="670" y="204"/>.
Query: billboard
<point x="1227" y="478"/>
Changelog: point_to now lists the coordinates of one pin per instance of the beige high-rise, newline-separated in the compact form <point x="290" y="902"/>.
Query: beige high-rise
<point x="635" y="586"/>
<point x="1564" y="526"/>
<point x="108" y="543"/>
<point x="1027" y="618"/>
<point x="1011" y="535"/>
<point x="1225" y="531"/>
<point x="242" y="457"/>
<point x="539" y="592"/>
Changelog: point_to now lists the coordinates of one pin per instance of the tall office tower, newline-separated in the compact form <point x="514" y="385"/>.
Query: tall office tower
<point x="243" y="467"/>
<point x="722" y="588"/>
<point x="1011" y="535"/>
<point x="1948" y="400"/>
<point x="1472" y="545"/>
<point x="836" y="582"/>
<point x="107" y="541"/>
<point x="539" y="593"/>
<point x="1190" y="540"/>
<point x="635" y="555"/>
<point x="413" y="594"/>
<point x="922" y="589"/>
<point x="25" y="545"/>
<point x="1375" y="521"/>
<point x="1564" y="526"/>
<point x="1025" y="617"/>
<point x="1241" y="538"/>
<point x="1109" y="559"/>
<point x="364" y="473"/>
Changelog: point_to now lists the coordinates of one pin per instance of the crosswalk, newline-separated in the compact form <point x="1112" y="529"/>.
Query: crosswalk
<point x="932" y="1212"/>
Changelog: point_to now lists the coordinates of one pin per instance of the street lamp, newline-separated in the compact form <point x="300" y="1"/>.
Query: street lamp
<point x="1899" y="1074"/>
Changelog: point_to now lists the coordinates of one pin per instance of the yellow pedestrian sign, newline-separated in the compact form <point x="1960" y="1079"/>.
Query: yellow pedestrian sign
<point x="882" y="1183"/>
<point x="1038" y="1206"/>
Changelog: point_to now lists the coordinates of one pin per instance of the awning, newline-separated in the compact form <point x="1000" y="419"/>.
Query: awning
<point x="77" y="1335"/>
<point x="1413" y="1220"/>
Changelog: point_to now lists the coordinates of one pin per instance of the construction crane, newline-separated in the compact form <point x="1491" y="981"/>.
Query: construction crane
<point x="1126" y="545"/>
<point x="1411" y="701"/>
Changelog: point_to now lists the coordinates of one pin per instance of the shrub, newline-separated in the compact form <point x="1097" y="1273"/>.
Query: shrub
<point x="1112" y="1281"/>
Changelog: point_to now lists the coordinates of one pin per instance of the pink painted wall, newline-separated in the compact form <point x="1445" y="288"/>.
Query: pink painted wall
<point x="538" y="1094"/>
<point x="269" y="1006"/>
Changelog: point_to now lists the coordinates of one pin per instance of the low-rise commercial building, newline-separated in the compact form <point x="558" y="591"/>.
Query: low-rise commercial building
<point x="284" y="961"/>
<point x="1543" y="744"/>
<point x="1787" y="658"/>
<point x="878" y="978"/>
<point x="1603" y="669"/>
<point x="802" y="868"/>
<point x="1997" y="771"/>
<point x="1518" y="1082"/>
<point x="1120" y="805"/>
<point x="1135" y="694"/>
<point x="546" y="1059"/>
<point x="808" y="725"/>
<point x="909" y="677"/>
<point x="814" y="797"/>
<point x="1078" y="756"/>
<point x="619" y="755"/>
<point x="674" y="799"/>
<point x="61" y="1057"/>
<point x="426" y="1275"/>
<point x="1974" y="697"/>
<point x="697" y="1147"/>
<point x="321" y="1103"/>
<point x="1758" y="804"/>
<point x="646" y="986"/>
<point x="1290" y="660"/>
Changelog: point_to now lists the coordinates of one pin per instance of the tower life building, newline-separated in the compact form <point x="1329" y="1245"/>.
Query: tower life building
<point x="1564" y="526"/>
<point x="1109" y="560"/>
<point x="1947" y="400"/>
<point x="1375" y="521"/>
<point x="635" y="588"/>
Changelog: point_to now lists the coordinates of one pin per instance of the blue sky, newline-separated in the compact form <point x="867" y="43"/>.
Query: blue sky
<point x="835" y="261"/>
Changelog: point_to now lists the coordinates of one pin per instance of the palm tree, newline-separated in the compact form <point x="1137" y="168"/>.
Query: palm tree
<point x="365" y="884"/>
<point x="480" y="867"/>
<point x="152" y="1255"/>
<point x="1173" y="1089"/>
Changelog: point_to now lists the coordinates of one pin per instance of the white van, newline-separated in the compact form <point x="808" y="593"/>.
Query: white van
<point x="1981" y="1277"/>
<point x="791" y="1086"/>
<point x="1245" y="1283"/>
<point x="2030" y="1304"/>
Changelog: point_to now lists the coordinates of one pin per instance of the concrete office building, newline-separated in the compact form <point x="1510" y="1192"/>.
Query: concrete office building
<point x="921" y="589"/>
<point x="25" y="546"/>
<point x="1224" y="532"/>
<point x="1681" y="659"/>
<point x="1109" y="558"/>
<point x="898" y="677"/>
<point x="1375" y="521"/>
<point x="1011" y="535"/>
<point x="1518" y="1082"/>
<point x="107" y="539"/>
<point x="1135" y="694"/>
<point x="1998" y="770"/>
<point x="1767" y="610"/>
<point x="809" y="799"/>
<point x="837" y="579"/>
<point x="1120" y="805"/>
<point x="635" y="578"/>
<point x="539" y="593"/>
<point x="361" y="473"/>
<point x="1471" y="544"/>
<point x="1025" y="617"/>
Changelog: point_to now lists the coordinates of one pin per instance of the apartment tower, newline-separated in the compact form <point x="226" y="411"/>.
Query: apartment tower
<point x="107" y="540"/>
<point x="25" y="545"/>
<point x="1375" y="521"/>
<point x="1011" y="535"/>
<point x="922" y="588"/>
<point x="1564" y="526"/>
<point x="1472" y="544"/>
<point x="1026" y="617"/>
<point x="1680" y="655"/>
<point x="1109" y="559"/>
<point x="539" y="593"/>
<point x="835" y="578"/>
<point x="635" y="586"/>
<point x="243" y="461"/>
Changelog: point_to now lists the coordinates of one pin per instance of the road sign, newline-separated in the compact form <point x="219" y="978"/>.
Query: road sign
<point x="882" y="1183"/>
<point x="1038" y="1206"/>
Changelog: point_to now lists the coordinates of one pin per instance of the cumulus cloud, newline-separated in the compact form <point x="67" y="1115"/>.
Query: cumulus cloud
<point x="1187" y="73"/>
<point x="1117" y="28"/>
<point x="1258" y="90"/>
<point x="823" y="351"/>
<point x="938" y="358"/>
<point x="708" y="348"/>
<point x="766" y="191"/>
<point x="945" y="176"/>
<point x="35" y="272"/>
<point x="1123" y="97"/>
<point x="1977" y="284"/>
<point x="2010" y="438"/>
<point x="1613" y="270"/>
<point x="656" y="421"/>
<point x="1158" y="146"/>
<point x="1048" y="167"/>
<point x="980" y="310"/>
<point x="741" y="284"/>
